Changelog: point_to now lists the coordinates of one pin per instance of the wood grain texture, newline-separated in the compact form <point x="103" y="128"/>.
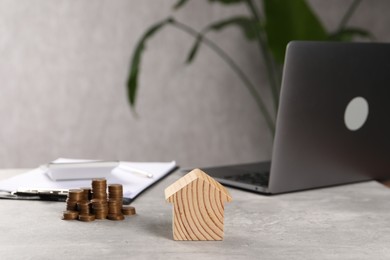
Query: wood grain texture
<point x="198" y="211"/>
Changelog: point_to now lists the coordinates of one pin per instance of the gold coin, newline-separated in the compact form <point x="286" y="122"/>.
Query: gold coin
<point x="70" y="215"/>
<point x="115" y="217"/>
<point x="87" y="193"/>
<point x="115" y="191"/>
<point x="84" y="207"/>
<point x="99" y="184"/>
<point x="75" y="194"/>
<point x="128" y="210"/>
<point x="87" y="218"/>
<point x="101" y="215"/>
<point x="114" y="187"/>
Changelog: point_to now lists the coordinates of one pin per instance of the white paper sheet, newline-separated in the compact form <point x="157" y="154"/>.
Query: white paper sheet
<point x="132" y="183"/>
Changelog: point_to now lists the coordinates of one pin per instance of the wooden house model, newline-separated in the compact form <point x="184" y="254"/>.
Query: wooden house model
<point x="198" y="207"/>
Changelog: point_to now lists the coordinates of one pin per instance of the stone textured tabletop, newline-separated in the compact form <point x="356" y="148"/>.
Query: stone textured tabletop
<point x="344" y="222"/>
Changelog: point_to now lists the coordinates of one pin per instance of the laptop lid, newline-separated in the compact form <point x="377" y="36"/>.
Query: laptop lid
<point x="333" y="124"/>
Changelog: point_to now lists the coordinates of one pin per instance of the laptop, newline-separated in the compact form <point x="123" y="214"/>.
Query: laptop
<point x="333" y="123"/>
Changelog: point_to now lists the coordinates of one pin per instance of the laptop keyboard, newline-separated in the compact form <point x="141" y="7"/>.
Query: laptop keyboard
<point x="255" y="178"/>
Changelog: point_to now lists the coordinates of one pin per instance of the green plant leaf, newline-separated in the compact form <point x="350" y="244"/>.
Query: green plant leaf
<point x="246" y="24"/>
<point x="349" y="33"/>
<point x="290" y="20"/>
<point x="132" y="81"/>
<point x="194" y="49"/>
<point x="179" y="4"/>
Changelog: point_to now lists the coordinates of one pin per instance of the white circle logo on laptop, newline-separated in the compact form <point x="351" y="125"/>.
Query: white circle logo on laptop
<point x="356" y="113"/>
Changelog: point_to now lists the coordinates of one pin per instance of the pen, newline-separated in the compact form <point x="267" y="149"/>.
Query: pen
<point x="42" y="194"/>
<point x="59" y="195"/>
<point x="137" y="171"/>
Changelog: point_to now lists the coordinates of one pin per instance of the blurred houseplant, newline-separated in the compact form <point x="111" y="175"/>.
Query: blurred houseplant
<point x="282" y="21"/>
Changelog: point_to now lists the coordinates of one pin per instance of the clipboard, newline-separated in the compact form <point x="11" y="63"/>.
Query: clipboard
<point x="37" y="185"/>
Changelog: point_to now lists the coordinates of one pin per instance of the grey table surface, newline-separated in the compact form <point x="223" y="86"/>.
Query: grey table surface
<point x="344" y="222"/>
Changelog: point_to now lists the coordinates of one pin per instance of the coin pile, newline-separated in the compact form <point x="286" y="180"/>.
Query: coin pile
<point x="99" y="198"/>
<point x="87" y="193"/>
<point x="115" y="194"/>
<point x="86" y="204"/>
<point x="74" y="196"/>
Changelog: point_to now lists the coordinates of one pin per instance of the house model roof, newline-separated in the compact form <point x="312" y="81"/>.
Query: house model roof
<point x="194" y="175"/>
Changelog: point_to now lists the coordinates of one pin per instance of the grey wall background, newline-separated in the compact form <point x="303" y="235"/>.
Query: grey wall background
<point x="63" y="69"/>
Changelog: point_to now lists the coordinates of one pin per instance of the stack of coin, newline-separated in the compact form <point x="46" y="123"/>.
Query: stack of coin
<point x="115" y="192"/>
<point x="87" y="218"/>
<point x="70" y="215"/>
<point x="128" y="210"/>
<point x="74" y="196"/>
<point x="99" y="198"/>
<point x="83" y="207"/>
<point x="99" y="189"/>
<point x="87" y="193"/>
<point x="99" y="208"/>
<point x="115" y="195"/>
<point x="86" y="204"/>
